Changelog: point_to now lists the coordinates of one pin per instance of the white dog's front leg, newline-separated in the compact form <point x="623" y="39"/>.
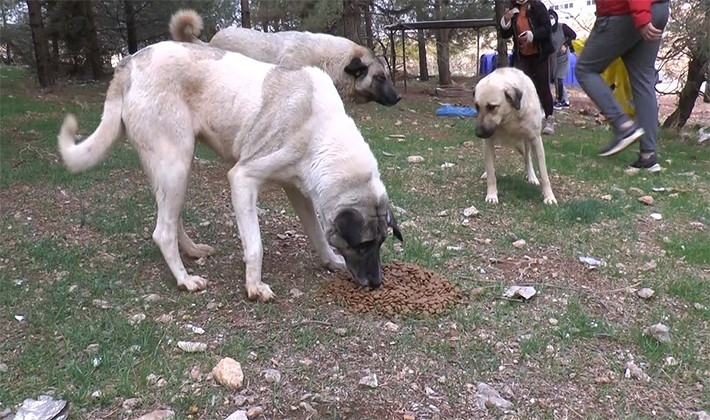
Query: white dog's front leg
<point x="307" y="214"/>
<point x="489" y="157"/>
<point x="244" y="193"/>
<point x="538" y="149"/>
<point x="529" y="169"/>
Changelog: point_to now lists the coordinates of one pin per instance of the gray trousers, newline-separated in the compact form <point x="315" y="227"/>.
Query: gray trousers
<point x="613" y="37"/>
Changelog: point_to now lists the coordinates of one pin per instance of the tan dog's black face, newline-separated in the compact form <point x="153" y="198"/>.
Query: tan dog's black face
<point x="493" y="104"/>
<point x="358" y="236"/>
<point x="372" y="80"/>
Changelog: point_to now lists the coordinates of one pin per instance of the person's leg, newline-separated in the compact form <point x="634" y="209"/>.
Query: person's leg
<point x="541" y="80"/>
<point x="565" y="95"/>
<point x="640" y="64"/>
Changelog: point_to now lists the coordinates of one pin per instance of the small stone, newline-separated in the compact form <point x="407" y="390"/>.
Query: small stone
<point x="658" y="331"/>
<point x="699" y="306"/>
<point x="252" y="356"/>
<point x="341" y="331"/>
<point x="192" y="346"/>
<point x="635" y="372"/>
<point x="97" y="394"/>
<point x="520" y="243"/>
<point x="515" y="292"/>
<point x="607" y="197"/>
<point x="73" y="288"/>
<point x="471" y="211"/>
<point x="255" y="412"/>
<point x="272" y="376"/>
<point x="103" y="304"/>
<point x="238" y="415"/>
<point x="391" y="326"/>
<point x="670" y="361"/>
<point x="4" y="368"/>
<point x="636" y="191"/>
<point x="487" y="397"/>
<point x="409" y="416"/>
<point x="151" y="297"/>
<point x="307" y="408"/>
<point x="228" y="372"/>
<point x="645" y="293"/>
<point x="369" y="381"/>
<point x="553" y="321"/>
<point x="152" y="379"/>
<point x="702" y="415"/>
<point x="164" y="319"/>
<point x="130" y="403"/>
<point x="646" y="199"/>
<point x="415" y="159"/>
<point x="296" y="293"/>
<point x="446" y="165"/>
<point x="136" y="319"/>
<point x="158" y="415"/>
<point x="656" y="216"/>
<point x="649" y="266"/>
<point x="441" y="379"/>
<point x="92" y="348"/>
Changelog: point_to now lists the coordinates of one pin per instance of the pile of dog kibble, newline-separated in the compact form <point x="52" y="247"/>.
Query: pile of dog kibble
<point x="406" y="289"/>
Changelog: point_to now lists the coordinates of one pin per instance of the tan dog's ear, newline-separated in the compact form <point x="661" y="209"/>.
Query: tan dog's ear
<point x="514" y="96"/>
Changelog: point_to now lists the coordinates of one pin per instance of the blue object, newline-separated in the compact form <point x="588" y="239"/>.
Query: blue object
<point x="448" y="110"/>
<point x="488" y="64"/>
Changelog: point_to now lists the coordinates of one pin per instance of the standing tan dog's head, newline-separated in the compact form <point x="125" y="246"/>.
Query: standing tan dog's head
<point x="372" y="79"/>
<point x="357" y="232"/>
<point x="495" y="104"/>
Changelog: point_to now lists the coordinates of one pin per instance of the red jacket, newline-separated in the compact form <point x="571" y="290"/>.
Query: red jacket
<point x="640" y="10"/>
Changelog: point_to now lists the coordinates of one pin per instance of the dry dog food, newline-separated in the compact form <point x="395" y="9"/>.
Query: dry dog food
<point x="406" y="289"/>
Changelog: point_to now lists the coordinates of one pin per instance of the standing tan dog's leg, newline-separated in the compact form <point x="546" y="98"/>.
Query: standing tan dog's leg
<point x="307" y="214"/>
<point x="489" y="157"/>
<point x="539" y="151"/>
<point x="529" y="169"/>
<point x="169" y="178"/>
<point x="245" y="189"/>
<point x="189" y="246"/>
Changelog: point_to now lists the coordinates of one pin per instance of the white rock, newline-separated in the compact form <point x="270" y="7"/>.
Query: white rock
<point x="487" y="397"/>
<point x="519" y="243"/>
<point x="553" y="321"/>
<point x="670" y="361"/>
<point x="369" y="381"/>
<point x="645" y="293"/>
<point x="296" y="293"/>
<point x="607" y="197"/>
<point x="130" y="403"/>
<point x="656" y="216"/>
<point x="164" y="319"/>
<point x="471" y="211"/>
<point x="238" y="415"/>
<point x="103" y="304"/>
<point x="97" y="394"/>
<point x="646" y="199"/>
<point x="446" y="165"/>
<point x="255" y="412"/>
<point x="271" y="376"/>
<point x="136" y="319"/>
<point x="341" y="331"/>
<point x="192" y="346"/>
<point x="158" y="415"/>
<point x="415" y="159"/>
<point x="151" y="297"/>
<point x="3" y="368"/>
<point x="702" y="415"/>
<point x="525" y="292"/>
<point x="391" y="326"/>
<point x="228" y="372"/>
<point x="658" y="331"/>
<point x="635" y="372"/>
<point x="649" y="265"/>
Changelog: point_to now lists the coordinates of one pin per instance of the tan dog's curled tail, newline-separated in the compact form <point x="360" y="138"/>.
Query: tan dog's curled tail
<point x="93" y="150"/>
<point x="186" y="25"/>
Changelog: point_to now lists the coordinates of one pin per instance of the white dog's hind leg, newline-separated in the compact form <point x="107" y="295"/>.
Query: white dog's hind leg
<point x="170" y="185"/>
<point x="489" y="157"/>
<point x="529" y="169"/>
<point x="189" y="246"/>
<point x="538" y="149"/>
<point x="244" y="193"/>
<point x="306" y="212"/>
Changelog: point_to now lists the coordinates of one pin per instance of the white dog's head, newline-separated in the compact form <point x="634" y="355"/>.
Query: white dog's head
<point x="372" y="78"/>
<point x="495" y="102"/>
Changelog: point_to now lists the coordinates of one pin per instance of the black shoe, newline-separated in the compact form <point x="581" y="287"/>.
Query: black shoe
<point x="650" y="164"/>
<point x="561" y="105"/>
<point x="622" y="140"/>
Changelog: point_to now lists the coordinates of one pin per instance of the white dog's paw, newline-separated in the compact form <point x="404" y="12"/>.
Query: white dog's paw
<point x="492" y="198"/>
<point x="336" y="264"/>
<point x="193" y="284"/>
<point x="550" y="199"/>
<point x="260" y="291"/>
<point x="532" y="179"/>
<point x="200" y="251"/>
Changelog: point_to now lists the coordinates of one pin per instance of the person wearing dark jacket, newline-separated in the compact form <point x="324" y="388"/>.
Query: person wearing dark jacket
<point x="562" y="37"/>
<point x="528" y="23"/>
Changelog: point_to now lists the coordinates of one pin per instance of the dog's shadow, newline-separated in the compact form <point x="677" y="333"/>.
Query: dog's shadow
<point x="517" y="187"/>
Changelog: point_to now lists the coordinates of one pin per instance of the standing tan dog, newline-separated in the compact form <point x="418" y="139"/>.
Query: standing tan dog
<point x="509" y="114"/>
<point x="359" y="75"/>
<point x="273" y="124"/>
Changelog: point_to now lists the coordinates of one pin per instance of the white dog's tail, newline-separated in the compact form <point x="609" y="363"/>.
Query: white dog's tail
<point x="186" y="25"/>
<point x="93" y="150"/>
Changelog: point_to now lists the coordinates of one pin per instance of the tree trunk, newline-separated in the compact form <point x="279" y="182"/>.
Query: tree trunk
<point x="686" y="101"/>
<point x="502" y="43"/>
<point x="129" y="16"/>
<point x="4" y="24"/>
<point x="442" y="49"/>
<point x="351" y="20"/>
<point x="92" y="41"/>
<point x="40" y="43"/>
<point x="368" y="25"/>
<point x="246" y="13"/>
<point x="55" y="52"/>
<point x="421" y="43"/>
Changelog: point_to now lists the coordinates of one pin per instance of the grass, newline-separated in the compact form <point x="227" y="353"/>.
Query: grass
<point x="74" y="242"/>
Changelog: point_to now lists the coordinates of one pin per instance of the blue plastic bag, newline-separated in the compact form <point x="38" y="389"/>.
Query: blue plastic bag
<point x="448" y="110"/>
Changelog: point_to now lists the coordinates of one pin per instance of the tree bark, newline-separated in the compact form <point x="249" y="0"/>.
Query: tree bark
<point x="442" y="49"/>
<point x="351" y="20"/>
<point x="686" y="101"/>
<point x="368" y="25"/>
<point x="421" y="43"/>
<point x="501" y="43"/>
<point x="92" y="41"/>
<point x="4" y="24"/>
<point x="45" y="75"/>
<point x="129" y="15"/>
<point x="246" y="13"/>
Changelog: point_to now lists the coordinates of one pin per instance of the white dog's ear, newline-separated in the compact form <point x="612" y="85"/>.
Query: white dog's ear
<point x="514" y="96"/>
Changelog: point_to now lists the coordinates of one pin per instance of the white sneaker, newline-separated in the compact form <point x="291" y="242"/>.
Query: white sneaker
<point x="549" y="126"/>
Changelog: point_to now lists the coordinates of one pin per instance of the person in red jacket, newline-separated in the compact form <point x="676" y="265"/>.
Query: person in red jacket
<point x="632" y="30"/>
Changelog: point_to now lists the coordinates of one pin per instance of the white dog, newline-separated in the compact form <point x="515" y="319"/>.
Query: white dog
<point x="509" y="114"/>
<point x="359" y="75"/>
<point x="273" y="124"/>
